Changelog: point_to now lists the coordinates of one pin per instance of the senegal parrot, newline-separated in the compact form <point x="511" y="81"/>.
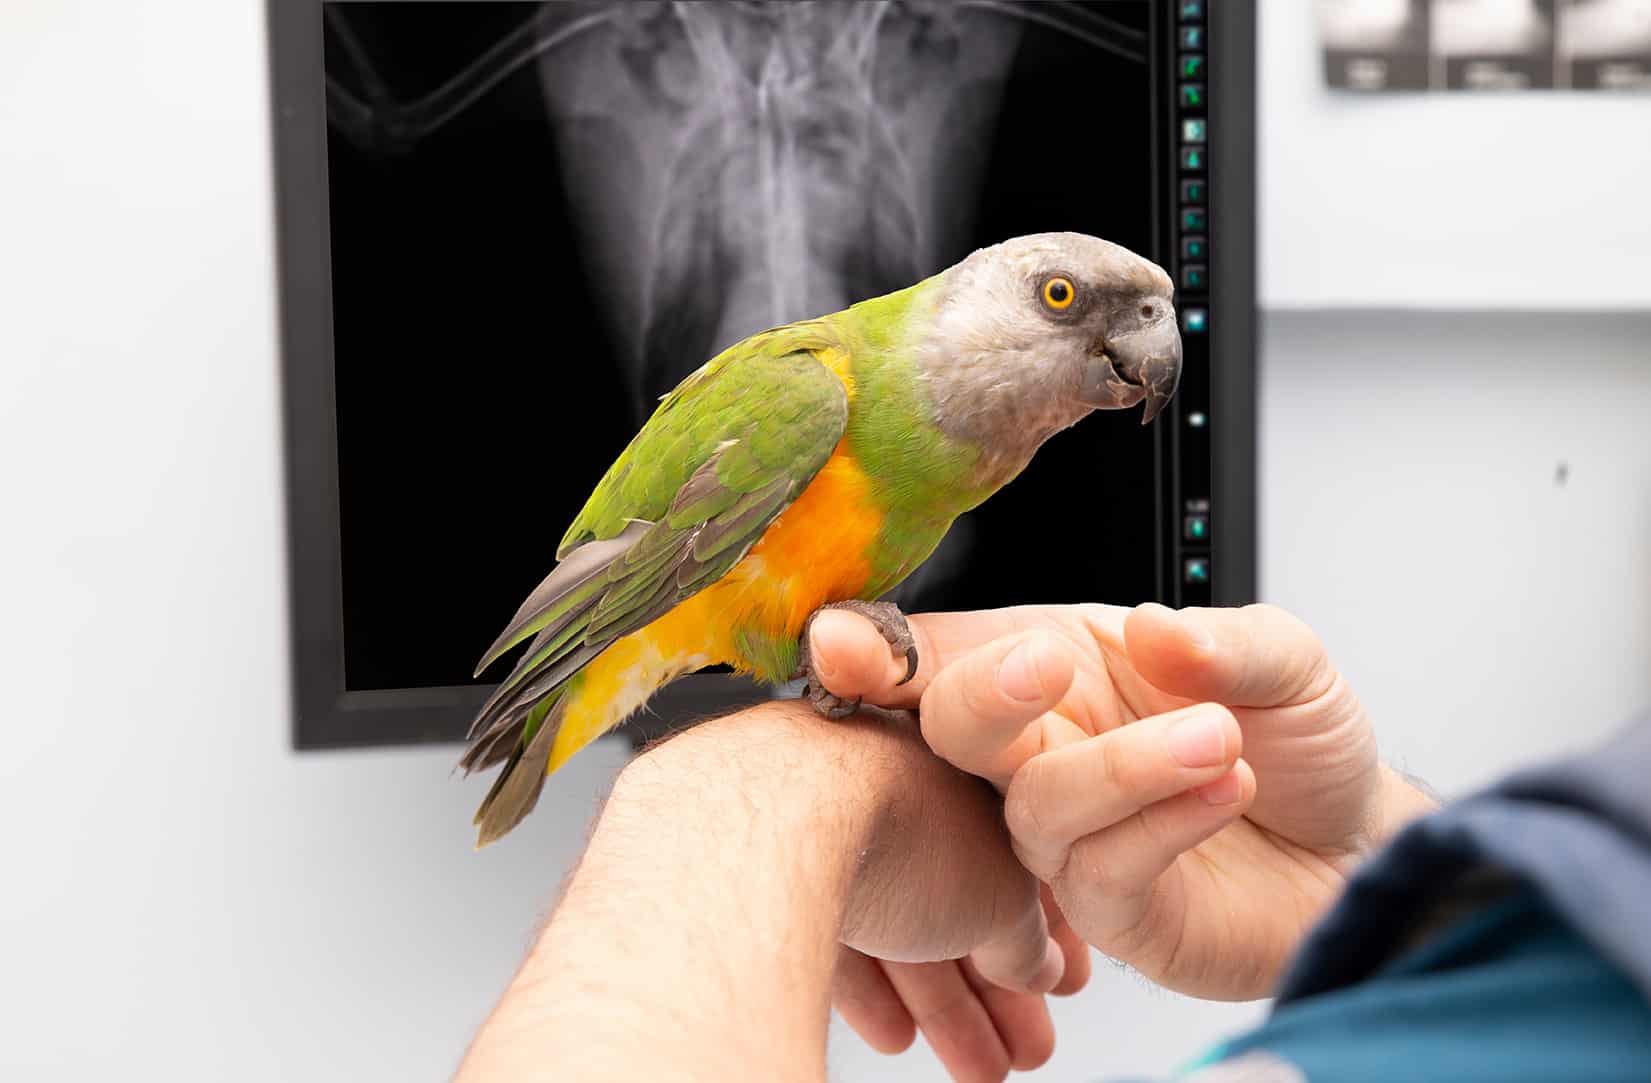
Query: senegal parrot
<point x="813" y="465"/>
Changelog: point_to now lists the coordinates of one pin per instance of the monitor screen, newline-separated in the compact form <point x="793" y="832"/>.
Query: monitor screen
<point x="540" y="217"/>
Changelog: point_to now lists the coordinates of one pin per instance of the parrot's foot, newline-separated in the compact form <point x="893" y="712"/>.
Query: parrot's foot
<point x="889" y="622"/>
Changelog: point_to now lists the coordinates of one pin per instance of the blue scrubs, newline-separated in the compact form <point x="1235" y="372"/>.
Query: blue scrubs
<point x="1506" y="938"/>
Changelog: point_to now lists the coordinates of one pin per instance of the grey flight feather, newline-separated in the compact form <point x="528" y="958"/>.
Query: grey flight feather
<point x="608" y="588"/>
<point x="630" y="581"/>
<point x="581" y="565"/>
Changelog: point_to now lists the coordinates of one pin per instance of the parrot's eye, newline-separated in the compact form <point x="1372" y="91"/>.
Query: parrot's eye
<point x="1058" y="292"/>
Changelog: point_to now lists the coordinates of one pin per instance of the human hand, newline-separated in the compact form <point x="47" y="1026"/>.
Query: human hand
<point x="727" y="868"/>
<point x="1163" y="845"/>
<point x="936" y="883"/>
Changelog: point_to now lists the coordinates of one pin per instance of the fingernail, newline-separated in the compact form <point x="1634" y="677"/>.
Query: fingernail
<point x="1050" y="970"/>
<point x="1017" y="674"/>
<point x="1223" y="791"/>
<point x="1200" y="740"/>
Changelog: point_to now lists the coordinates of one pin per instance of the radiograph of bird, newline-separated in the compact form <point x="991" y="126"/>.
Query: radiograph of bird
<point x="813" y="465"/>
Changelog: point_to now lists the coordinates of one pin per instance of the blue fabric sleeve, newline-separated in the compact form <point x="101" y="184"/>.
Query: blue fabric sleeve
<point x="1509" y="994"/>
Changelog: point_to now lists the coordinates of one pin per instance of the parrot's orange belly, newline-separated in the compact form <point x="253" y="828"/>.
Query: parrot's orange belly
<point x="816" y="552"/>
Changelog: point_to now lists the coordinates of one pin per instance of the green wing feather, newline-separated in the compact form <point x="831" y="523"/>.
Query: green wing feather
<point x="757" y="390"/>
<point x="720" y="458"/>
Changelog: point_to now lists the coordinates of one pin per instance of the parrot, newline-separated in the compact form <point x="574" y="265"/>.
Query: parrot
<point x="813" y="465"/>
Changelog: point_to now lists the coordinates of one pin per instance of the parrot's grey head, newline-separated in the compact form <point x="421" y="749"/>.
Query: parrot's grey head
<point x="1030" y="335"/>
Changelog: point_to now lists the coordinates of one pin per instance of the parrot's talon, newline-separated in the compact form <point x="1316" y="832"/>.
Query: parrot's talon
<point x="688" y="519"/>
<point x="911" y="664"/>
<point x="891" y="625"/>
<point x="832" y="707"/>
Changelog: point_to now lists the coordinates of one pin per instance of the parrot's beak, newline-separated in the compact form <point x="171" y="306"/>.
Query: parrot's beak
<point x="1153" y="360"/>
<point x="1141" y="366"/>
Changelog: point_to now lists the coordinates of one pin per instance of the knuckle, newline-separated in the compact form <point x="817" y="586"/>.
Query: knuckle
<point x="1023" y="803"/>
<point x="1095" y="863"/>
<point x="1293" y="652"/>
<point x="951" y="1006"/>
<point x="1112" y="763"/>
<point x="1155" y="834"/>
<point x="1037" y="843"/>
<point x="1317" y="677"/>
<point x="1018" y="960"/>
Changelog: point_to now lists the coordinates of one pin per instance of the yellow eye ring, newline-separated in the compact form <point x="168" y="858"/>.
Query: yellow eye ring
<point x="1058" y="293"/>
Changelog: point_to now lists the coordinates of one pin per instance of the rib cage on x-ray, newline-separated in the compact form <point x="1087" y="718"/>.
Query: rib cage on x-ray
<point x="736" y="166"/>
<point x="770" y="163"/>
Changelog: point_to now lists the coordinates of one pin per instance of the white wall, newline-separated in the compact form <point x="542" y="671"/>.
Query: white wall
<point x="187" y="899"/>
<point x="1411" y="511"/>
<point x="1445" y="200"/>
<point x="184" y="897"/>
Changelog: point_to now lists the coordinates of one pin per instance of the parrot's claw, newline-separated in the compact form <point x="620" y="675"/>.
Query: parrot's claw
<point x="836" y="708"/>
<point x="889" y="622"/>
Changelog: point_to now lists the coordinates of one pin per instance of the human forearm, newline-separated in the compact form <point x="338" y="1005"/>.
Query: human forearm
<point x="697" y="937"/>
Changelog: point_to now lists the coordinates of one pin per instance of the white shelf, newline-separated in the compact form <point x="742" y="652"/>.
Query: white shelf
<point x="1536" y="200"/>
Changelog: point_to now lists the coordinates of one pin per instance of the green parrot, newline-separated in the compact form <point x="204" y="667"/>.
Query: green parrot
<point x="813" y="465"/>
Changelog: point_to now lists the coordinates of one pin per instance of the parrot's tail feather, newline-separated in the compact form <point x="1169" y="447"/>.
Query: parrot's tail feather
<point x="516" y="790"/>
<point x="510" y="702"/>
<point x="495" y="747"/>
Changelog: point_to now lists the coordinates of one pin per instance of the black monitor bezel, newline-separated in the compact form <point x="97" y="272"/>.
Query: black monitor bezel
<point x="328" y="715"/>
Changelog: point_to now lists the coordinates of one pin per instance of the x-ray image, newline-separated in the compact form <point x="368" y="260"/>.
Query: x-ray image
<point x="1606" y="44"/>
<point x="543" y="216"/>
<point x="1375" y="44"/>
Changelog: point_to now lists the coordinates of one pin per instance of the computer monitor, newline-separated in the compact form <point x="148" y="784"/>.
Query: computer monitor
<point x="507" y="228"/>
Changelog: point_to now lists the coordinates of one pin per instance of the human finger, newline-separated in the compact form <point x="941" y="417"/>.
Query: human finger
<point x="852" y="659"/>
<point x="952" y="1018"/>
<point x="1021" y="955"/>
<point x="1109" y="875"/>
<point x="1021" y="1019"/>
<point x="1078" y="966"/>
<point x="977" y="713"/>
<point x="867" y="1001"/>
<point x="1063" y="795"/>
<point x="1255" y="656"/>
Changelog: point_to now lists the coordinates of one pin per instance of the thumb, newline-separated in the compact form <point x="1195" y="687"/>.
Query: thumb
<point x="1256" y="656"/>
<point x="977" y="712"/>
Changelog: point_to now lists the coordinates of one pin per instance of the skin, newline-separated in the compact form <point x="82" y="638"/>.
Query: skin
<point x="1203" y="877"/>
<point x="813" y="463"/>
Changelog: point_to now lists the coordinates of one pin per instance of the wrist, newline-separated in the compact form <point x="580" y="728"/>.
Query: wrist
<point x="709" y="902"/>
<point x="769" y="777"/>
